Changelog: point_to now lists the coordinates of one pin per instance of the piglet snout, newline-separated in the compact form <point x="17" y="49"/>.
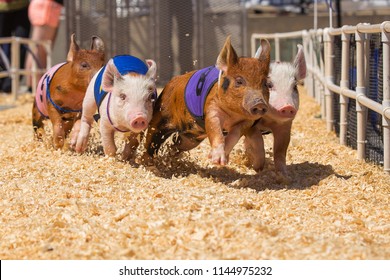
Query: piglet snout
<point x="287" y="111"/>
<point x="260" y="108"/>
<point x="139" y="122"/>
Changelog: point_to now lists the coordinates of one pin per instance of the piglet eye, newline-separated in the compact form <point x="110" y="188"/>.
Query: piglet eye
<point x="239" y="82"/>
<point x="269" y="84"/>
<point x="122" y="96"/>
<point x="152" y="96"/>
<point x="84" y="65"/>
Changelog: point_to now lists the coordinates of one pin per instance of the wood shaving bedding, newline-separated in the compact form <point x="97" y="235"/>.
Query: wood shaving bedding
<point x="60" y="205"/>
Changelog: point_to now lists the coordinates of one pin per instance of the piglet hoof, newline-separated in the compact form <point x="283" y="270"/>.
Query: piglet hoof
<point x="145" y="160"/>
<point x="283" y="178"/>
<point x="80" y="144"/>
<point x="78" y="148"/>
<point x="128" y="154"/>
<point x="73" y="142"/>
<point x="127" y="157"/>
<point x="281" y="169"/>
<point x="74" y="135"/>
<point x="218" y="157"/>
<point x="39" y="134"/>
<point x="258" y="169"/>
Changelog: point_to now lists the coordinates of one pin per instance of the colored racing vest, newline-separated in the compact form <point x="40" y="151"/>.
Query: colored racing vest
<point x="43" y="90"/>
<point x="125" y="64"/>
<point x="197" y="89"/>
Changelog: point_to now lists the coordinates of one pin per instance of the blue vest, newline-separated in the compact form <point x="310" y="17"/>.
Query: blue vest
<point x="125" y="64"/>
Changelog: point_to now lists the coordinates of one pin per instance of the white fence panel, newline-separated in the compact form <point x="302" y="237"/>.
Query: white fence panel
<point x="320" y="47"/>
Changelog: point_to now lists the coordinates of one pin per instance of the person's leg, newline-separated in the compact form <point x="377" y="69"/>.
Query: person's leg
<point x="5" y="31"/>
<point x="22" y="29"/>
<point x="44" y="16"/>
<point x="39" y="33"/>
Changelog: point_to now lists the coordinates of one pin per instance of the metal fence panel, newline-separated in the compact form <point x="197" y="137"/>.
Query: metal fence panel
<point x="180" y="35"/>
<point x="356" y="104"/>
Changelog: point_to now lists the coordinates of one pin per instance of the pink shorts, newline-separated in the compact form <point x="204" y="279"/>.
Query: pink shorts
<point x="44" y="12"/>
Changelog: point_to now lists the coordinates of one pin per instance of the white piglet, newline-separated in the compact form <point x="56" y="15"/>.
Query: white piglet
<point x="124" y="92"/>
<point x="283" y="107"/>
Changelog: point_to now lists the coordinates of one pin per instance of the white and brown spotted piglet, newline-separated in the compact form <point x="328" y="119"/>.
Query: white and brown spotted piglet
<point x="219" y="102"/>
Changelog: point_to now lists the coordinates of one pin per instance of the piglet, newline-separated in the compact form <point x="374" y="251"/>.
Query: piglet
<point x="61" y="90"/>
<point x="124" y="92"/>
<point x="218" y="102"/>
<point x="283" y="107"/>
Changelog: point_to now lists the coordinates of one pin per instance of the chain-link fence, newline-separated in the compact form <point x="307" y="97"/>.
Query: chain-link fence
<point x="374" y="129"/>
<point x="180" y="35"/>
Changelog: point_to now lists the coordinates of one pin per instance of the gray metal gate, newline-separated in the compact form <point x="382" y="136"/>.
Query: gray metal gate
<point x="180" y="35"/>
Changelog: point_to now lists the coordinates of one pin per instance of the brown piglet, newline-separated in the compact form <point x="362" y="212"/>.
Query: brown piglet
<point x="218" y="103"/>
<point x="62" y="88"/>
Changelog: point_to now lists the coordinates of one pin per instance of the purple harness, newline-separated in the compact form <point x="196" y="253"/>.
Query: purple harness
<point x="197" y="89"/>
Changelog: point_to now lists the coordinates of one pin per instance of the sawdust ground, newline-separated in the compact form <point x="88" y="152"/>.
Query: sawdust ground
<point x="59" y="205"/>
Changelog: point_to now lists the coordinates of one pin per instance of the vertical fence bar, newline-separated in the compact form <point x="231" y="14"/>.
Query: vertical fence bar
<point x="319" y="84"/>
<point x="305" y="43"/>
<point x="316" y="90"/>
<point x="277" y="48"/>
<point x="386" y="96"/>
<point x="344" y="84"/>
<point x="310" y="58"/>
<point x="34" y="68"/>
<point x="253" y="46"/>
<point x="328" y="57"/>
<point x="48" y="47"/>
<point x="361" y="110"/>
<point x="15" y="62"/>
<point x="316" y="83"/>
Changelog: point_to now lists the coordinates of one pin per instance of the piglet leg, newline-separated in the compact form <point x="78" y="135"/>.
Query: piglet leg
<point x="281" y="142"/>
<point x="58" y="134"/>
<point x="254" y="147"/>
<point x="217" y="140"/>
<point x="231" y="140"/>
<point x="89" y="109"/>
<point x="83" y="135"/>
<point x="74" y="133"/>
<point x="37" y="122"/>
<point x="108" y="140"/>
<point x="131" y="145"/>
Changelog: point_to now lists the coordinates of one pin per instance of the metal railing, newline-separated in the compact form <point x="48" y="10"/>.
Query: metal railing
<point x="15" y="71"/>
<point x="321" y="83"/>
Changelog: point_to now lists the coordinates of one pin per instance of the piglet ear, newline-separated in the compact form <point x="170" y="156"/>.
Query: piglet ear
<point x="263" y="53"/>
<point x="152" y="72"/>
<point x="300" y="64"/>
<point x="110" y="74"/>
<point x="263" y="50"/>
<point x="97" y="44"/>
<point x="258" y="52"/>
<point x="73" y="49"/>
<point x="227" y="57"/>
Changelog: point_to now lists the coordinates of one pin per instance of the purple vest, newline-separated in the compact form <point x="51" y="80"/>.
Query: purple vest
<point x="197" y="89"/>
